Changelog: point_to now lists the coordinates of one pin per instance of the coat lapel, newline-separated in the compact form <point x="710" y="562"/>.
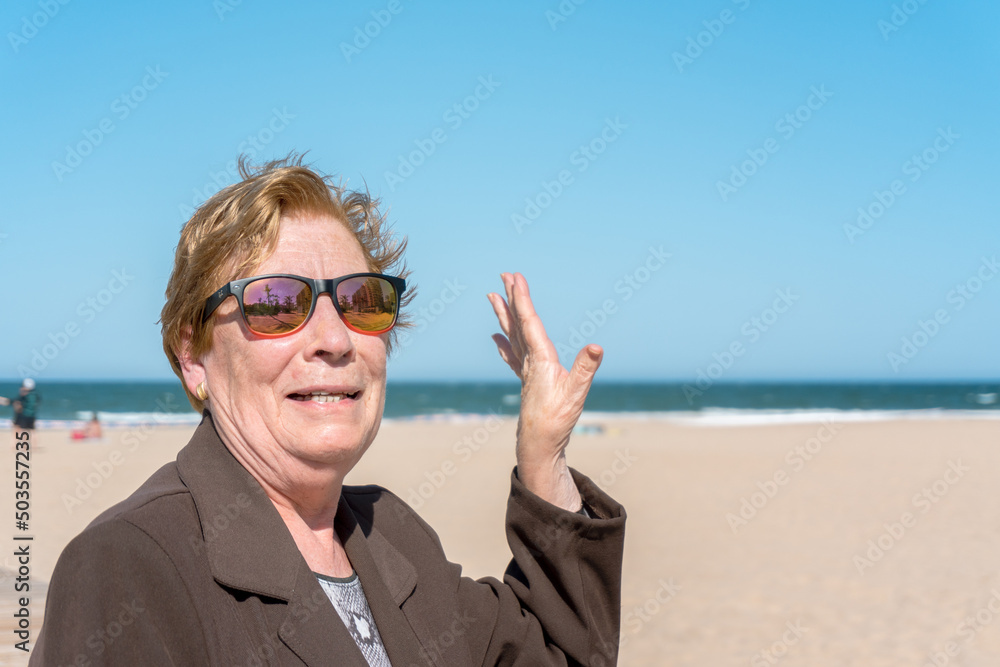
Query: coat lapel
<point x="250" y="549"/>
<point x="313" y="630"/>
<point x="387" y="577"/>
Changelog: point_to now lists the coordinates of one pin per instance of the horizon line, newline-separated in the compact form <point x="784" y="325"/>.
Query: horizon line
<point x="597" y="381"/>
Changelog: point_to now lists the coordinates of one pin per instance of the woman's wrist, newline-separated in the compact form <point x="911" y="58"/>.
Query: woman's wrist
<point x="551" y="481"/>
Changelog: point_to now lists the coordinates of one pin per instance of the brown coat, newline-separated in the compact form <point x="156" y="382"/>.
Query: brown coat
<point x="198" y="568"/>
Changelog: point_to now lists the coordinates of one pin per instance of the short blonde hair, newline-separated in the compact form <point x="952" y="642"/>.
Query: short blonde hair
<point x="232" y="234"/>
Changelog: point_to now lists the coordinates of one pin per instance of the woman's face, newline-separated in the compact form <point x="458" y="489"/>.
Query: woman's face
<point x="263" y="392"/>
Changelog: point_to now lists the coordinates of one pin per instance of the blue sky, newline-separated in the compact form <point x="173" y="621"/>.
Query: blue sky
<point x="679" y="183"/>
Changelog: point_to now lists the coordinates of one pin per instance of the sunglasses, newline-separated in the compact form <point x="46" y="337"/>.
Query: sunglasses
<point x="279" y="304"/>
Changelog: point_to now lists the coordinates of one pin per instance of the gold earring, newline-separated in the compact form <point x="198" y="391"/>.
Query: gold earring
<point x="201" y="392"/>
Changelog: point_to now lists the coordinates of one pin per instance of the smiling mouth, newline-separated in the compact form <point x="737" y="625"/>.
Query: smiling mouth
<point x="323" y="397"/>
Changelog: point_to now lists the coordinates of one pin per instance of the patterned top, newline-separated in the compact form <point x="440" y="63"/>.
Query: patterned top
<point x="349" y="600"/>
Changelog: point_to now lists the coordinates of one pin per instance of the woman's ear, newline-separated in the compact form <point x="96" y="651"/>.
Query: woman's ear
<point x="191" y="367"/>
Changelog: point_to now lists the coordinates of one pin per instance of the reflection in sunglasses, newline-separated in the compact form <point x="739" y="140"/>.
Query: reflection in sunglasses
<point x="370" y="304"/>
<point x="281" y="305"/>
<point x="276" y="305"/>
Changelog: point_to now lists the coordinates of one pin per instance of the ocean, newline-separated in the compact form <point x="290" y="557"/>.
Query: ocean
<point x="65" y="403"/>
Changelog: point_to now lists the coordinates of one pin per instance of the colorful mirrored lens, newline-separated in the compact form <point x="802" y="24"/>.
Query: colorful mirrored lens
<point x="276" y="305"/>
<point x="369" y="304"/>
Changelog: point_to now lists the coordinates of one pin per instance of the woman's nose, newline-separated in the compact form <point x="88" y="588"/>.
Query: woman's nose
<point x="328" y="335"/>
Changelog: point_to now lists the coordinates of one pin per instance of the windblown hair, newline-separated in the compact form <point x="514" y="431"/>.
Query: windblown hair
<point x="235" y="231"/>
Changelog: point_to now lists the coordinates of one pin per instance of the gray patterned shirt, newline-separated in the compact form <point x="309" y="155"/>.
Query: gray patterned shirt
<point x="349" y="600"/>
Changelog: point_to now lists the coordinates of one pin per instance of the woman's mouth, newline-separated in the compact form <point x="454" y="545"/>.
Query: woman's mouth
<point x="324" y="396"/>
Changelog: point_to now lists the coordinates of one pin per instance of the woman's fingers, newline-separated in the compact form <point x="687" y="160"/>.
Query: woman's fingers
<point x="502" y="312"/>
<point x="507" y="354"/>
<point x="515" y="330"/>
<point x="526" y="342"/>
<point x="528" y="338"/>
<point x="514" y="301"/>
<point x="508" y="324"/>
<point x="532" y="330"/>
<point x="508" y="286"/>
<point x="581" y="374"/>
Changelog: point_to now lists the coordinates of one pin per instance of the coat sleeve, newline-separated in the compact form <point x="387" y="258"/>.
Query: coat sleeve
<point x="560" y="599"/>
<point x="117" y="599"/>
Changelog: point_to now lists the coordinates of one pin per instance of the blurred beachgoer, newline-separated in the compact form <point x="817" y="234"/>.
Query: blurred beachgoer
<point x="92" y="431"/>
<point x="25" y="406"/>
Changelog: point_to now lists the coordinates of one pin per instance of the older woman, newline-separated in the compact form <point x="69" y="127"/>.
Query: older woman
<point x="250" y="550"/>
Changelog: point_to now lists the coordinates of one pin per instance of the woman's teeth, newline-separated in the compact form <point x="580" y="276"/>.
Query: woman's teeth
<point x="323" y="397"/>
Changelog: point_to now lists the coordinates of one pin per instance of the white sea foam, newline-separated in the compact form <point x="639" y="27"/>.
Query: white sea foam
<point x="450" y="417"/>
<point x="709" y="417"/>
<point x="117" y="420"/>
<point x="734" y="417"/>
<point x="511" y="399"/>
<point x="133" y="418"/>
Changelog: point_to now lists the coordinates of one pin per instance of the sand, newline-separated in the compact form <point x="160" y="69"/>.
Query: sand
<point x="836" y="560"/>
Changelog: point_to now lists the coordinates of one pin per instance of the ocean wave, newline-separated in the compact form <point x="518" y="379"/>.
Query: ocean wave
<point x="985" y="399"/>
<point x="706" y="417"/>
<point x="117" y="420"/>
<point x="450" y="417"/>
<point x="137" y="418"/>
<point x="730" y="417"/>
<point x="747" y="417"/>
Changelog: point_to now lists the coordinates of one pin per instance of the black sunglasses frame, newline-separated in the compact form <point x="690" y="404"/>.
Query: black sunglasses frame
<point x="318" y="286"/>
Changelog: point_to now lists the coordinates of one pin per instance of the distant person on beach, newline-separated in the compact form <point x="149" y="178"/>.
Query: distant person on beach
<point x="92" y="431"/>
<point x="249" y="549"/>
<point x="25" y="406"/>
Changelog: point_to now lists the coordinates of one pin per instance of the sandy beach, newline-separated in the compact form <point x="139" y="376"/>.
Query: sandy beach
<point x="858" y="543"/>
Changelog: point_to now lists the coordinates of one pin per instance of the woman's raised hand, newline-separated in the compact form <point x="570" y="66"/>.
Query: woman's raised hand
<point x="551" y="397"/>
